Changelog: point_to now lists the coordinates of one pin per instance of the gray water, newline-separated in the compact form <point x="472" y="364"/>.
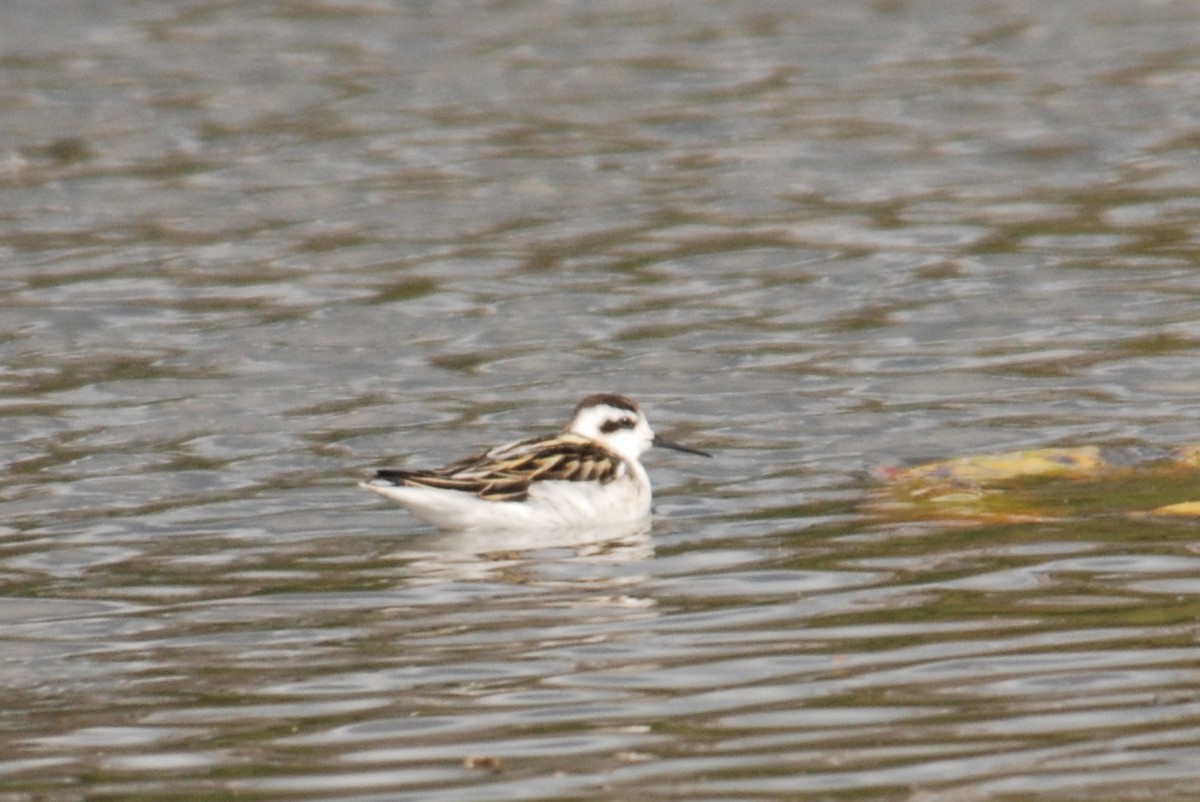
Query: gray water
<point x="253" y="249"/>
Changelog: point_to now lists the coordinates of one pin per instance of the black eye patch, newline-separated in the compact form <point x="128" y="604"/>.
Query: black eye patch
<point x="610" y="426"/>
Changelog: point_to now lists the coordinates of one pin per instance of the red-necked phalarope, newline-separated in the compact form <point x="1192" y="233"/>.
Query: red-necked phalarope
<point x="586" y="475"/>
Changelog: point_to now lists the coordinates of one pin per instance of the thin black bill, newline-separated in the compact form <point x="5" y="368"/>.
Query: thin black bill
<point x="661" y="442"/>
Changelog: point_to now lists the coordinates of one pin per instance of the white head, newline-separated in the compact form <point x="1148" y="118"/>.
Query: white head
<point x="620" y="425"/>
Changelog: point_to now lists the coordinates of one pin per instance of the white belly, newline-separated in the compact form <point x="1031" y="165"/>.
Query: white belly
<point x="550" y="505"/>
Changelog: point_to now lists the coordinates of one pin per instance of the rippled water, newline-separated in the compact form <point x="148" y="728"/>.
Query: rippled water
<point x="253" y="249"/>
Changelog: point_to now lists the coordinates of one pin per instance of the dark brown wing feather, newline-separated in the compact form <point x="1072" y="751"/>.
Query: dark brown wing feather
<point x="507" y="473"/>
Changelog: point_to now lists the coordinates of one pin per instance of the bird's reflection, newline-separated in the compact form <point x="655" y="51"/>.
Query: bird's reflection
<point x="495" y="555"/>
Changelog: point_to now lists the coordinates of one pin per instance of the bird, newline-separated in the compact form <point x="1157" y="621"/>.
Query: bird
<point x="588" y="474"/>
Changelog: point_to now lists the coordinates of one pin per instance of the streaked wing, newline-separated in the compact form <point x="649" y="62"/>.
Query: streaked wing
<point x="506" y="473"/>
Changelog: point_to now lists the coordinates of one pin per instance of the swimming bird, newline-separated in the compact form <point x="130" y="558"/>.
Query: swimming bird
<point x="587" y="474"/>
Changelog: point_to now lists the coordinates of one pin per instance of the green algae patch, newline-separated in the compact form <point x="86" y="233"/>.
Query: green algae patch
<point x="1044" y="484"/>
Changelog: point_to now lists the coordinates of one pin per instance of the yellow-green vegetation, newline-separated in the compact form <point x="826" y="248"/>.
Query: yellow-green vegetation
<point x="1040" y="485"/>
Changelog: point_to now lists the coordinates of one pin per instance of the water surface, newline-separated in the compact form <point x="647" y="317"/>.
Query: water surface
<point x="253" y="250"/>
